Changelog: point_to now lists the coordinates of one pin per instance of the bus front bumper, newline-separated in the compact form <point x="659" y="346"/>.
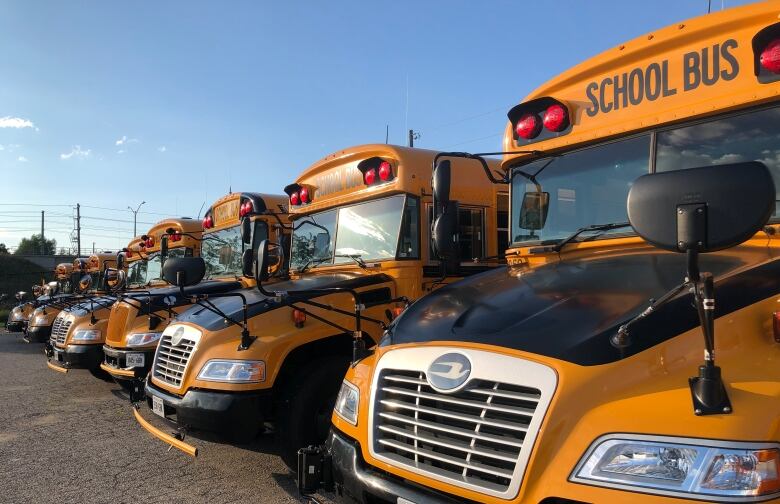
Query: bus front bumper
<point x="38" y="334"/>
<point x="236" y="413"/>
<point x="15" y="326"/>
<point x="76" y="356"/>
<point x="115" y="362"/>
<point x="357" y="482"/>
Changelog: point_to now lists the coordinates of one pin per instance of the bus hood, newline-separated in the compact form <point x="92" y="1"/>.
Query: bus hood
<point x="258" y="303"/>
<point x="568" y="310"/>
<point x="166" y="297"/>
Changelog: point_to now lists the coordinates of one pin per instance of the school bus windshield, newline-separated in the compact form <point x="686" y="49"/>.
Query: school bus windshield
<point x="368" y="231"/>
<point x="222" y="252"/>
<point x="590" y="186"/>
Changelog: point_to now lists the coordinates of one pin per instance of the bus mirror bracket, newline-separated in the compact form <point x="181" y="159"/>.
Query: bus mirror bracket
<point x="696" y="211"/>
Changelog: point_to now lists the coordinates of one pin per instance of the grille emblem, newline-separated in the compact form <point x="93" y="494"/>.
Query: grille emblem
<point x="177" y="336"/>
<point x="449" y="371"/>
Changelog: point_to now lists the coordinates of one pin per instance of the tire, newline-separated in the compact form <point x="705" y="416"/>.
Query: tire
<point x="307" y="406"/>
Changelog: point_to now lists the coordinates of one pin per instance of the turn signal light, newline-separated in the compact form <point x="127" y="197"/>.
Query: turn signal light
<point x="295" y="199"/>
<point x="299" y="317"/>
<point x="175" y="237"/>
<point x="304" y="195"/>
<point x="397" y="311"/>
<point x="770" y="56"/>
<point x="528" y="126"/>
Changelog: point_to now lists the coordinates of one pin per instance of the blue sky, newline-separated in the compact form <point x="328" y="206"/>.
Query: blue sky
<point x="111" y="103"/>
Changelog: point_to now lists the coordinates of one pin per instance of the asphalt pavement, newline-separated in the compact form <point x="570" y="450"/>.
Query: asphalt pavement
<point x="72" y="438"/>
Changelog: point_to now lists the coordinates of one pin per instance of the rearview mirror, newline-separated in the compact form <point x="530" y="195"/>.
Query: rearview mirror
<point x="120" y="261"/>
<point x="702" y="209"/>
<point x="442" y="175"/>
<point x="184" y="271"/>
<point x="246" y="230"/>
<point x="85" y="282"/>
<point x="164" y="245"/>
<point x="444" y="232"/>
<point x="115" y="278"/>
<point x="533" y="210"/>
<point x="261" y="273"/>
<point x="247" y="266"/>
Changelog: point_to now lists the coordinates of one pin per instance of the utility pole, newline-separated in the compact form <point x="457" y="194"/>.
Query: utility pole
<point x="43" y="237"/>
<point x="78" y="230"/>
<point x="413" y="135"/>
<point x="135" y="216"/>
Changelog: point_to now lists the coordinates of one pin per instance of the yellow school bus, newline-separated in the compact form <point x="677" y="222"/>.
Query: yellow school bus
<point x="559" y="379"/>
<point x="20" y="314"/>
<point x="138" y="320"/>
<point x="167" y="238"/>
<point x="360" y="219"/>
<point x="57" y="295"/>
<point x="78" y="331"/>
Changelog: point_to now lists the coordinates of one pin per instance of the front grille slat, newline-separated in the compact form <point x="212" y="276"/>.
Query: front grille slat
<point x="170" y="361"/>
<point x="475" y="436"/>
<point x="59" y="331"/>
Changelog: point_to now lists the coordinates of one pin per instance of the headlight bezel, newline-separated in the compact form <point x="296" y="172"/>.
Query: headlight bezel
<point x="96" y="333"/>
<point x="691" y="487"/>
<point x="203" y="373"/>
<point x="130" y="342"/>
<point x="352" y="389"/>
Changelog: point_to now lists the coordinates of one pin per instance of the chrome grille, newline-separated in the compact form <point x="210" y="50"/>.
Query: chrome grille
<point x="478" y="437"/>
<point x="170" y="361"/>
<point x="59" y="330"/>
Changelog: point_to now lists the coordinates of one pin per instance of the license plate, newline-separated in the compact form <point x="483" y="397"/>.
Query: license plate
<point x="58" y="355"/>
<point x="158" y="407"/>
<point x="134" y="360"/>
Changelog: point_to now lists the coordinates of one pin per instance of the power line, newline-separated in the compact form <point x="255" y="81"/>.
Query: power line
<point x="475" y="140"/>
<point x="464" y="119"/>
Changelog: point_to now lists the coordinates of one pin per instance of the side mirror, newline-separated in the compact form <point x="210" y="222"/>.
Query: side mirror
<point x="85" y="282"/>
<point x="444" y="233"/>
<point x="702" y="209"/>
<point x="442" y="176"/>
<point x="115" y="278"/>
<point x="164" y="245"/>
<point x="246" y="230"/>
<point x="261" y="273"/>
<point x="184" y="271"/>
<point x="533" y="210"/>
<point x="120" y="261"/>
<point x="247" y="263"/>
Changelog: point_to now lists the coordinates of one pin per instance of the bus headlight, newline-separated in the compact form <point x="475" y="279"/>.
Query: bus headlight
<point x="681" y="467"/>
<point x="347" y="402"/>
<point x="143" y="339"/>
<point x="86" y="335"/>
<point x="233" y="371"/>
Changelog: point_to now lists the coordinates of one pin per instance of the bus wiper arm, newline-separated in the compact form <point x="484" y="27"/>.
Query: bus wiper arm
<point x="595" y="227"/>
<point x="355" y="257"/>
<point x="312" y="262"/>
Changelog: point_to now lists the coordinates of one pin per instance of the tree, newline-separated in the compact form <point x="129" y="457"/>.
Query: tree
<point x="32" y="246"/>
<point x="3" y="249"/>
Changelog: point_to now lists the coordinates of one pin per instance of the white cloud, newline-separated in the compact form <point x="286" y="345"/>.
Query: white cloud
<point x="9" y="147"/>
<point x="124" y="140"/>
<point x="121" y="151"/>
<point x="76" y="152"/>
<point x="22" y="159"/>
<point x="162" y="148"/>
<point x="16" y="122"/>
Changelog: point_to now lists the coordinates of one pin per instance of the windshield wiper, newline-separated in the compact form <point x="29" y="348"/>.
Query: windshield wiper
<point x="595" y="227"/>
<point x="355" y="257"/>
<point x="313" y="262"/>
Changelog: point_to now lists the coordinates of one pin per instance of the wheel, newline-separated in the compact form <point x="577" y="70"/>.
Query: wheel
<point x="307" y="406"/>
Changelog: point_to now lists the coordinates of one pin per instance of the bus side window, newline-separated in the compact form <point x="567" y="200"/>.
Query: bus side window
<point x="502" y="223"/>
<point x="471" y="233"/>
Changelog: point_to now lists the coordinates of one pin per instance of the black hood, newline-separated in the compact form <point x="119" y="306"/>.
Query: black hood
<point x="232" y="306"/>
<point x="568" y="310"/>
<point x="162" y="298"/>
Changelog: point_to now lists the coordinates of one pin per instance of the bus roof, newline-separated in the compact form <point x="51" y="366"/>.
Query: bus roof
<point x="337" y="179"/>
<point x="680" y="72"/>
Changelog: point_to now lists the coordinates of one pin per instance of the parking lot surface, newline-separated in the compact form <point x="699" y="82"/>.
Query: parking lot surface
<point x="72" y="438"/>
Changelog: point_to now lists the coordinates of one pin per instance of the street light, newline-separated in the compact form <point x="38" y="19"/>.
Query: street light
<point x="135" y="216"/>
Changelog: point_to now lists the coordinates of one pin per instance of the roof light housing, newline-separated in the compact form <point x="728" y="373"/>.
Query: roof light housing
<point x="539" y="119"/>
<point x="376" y="171"/>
